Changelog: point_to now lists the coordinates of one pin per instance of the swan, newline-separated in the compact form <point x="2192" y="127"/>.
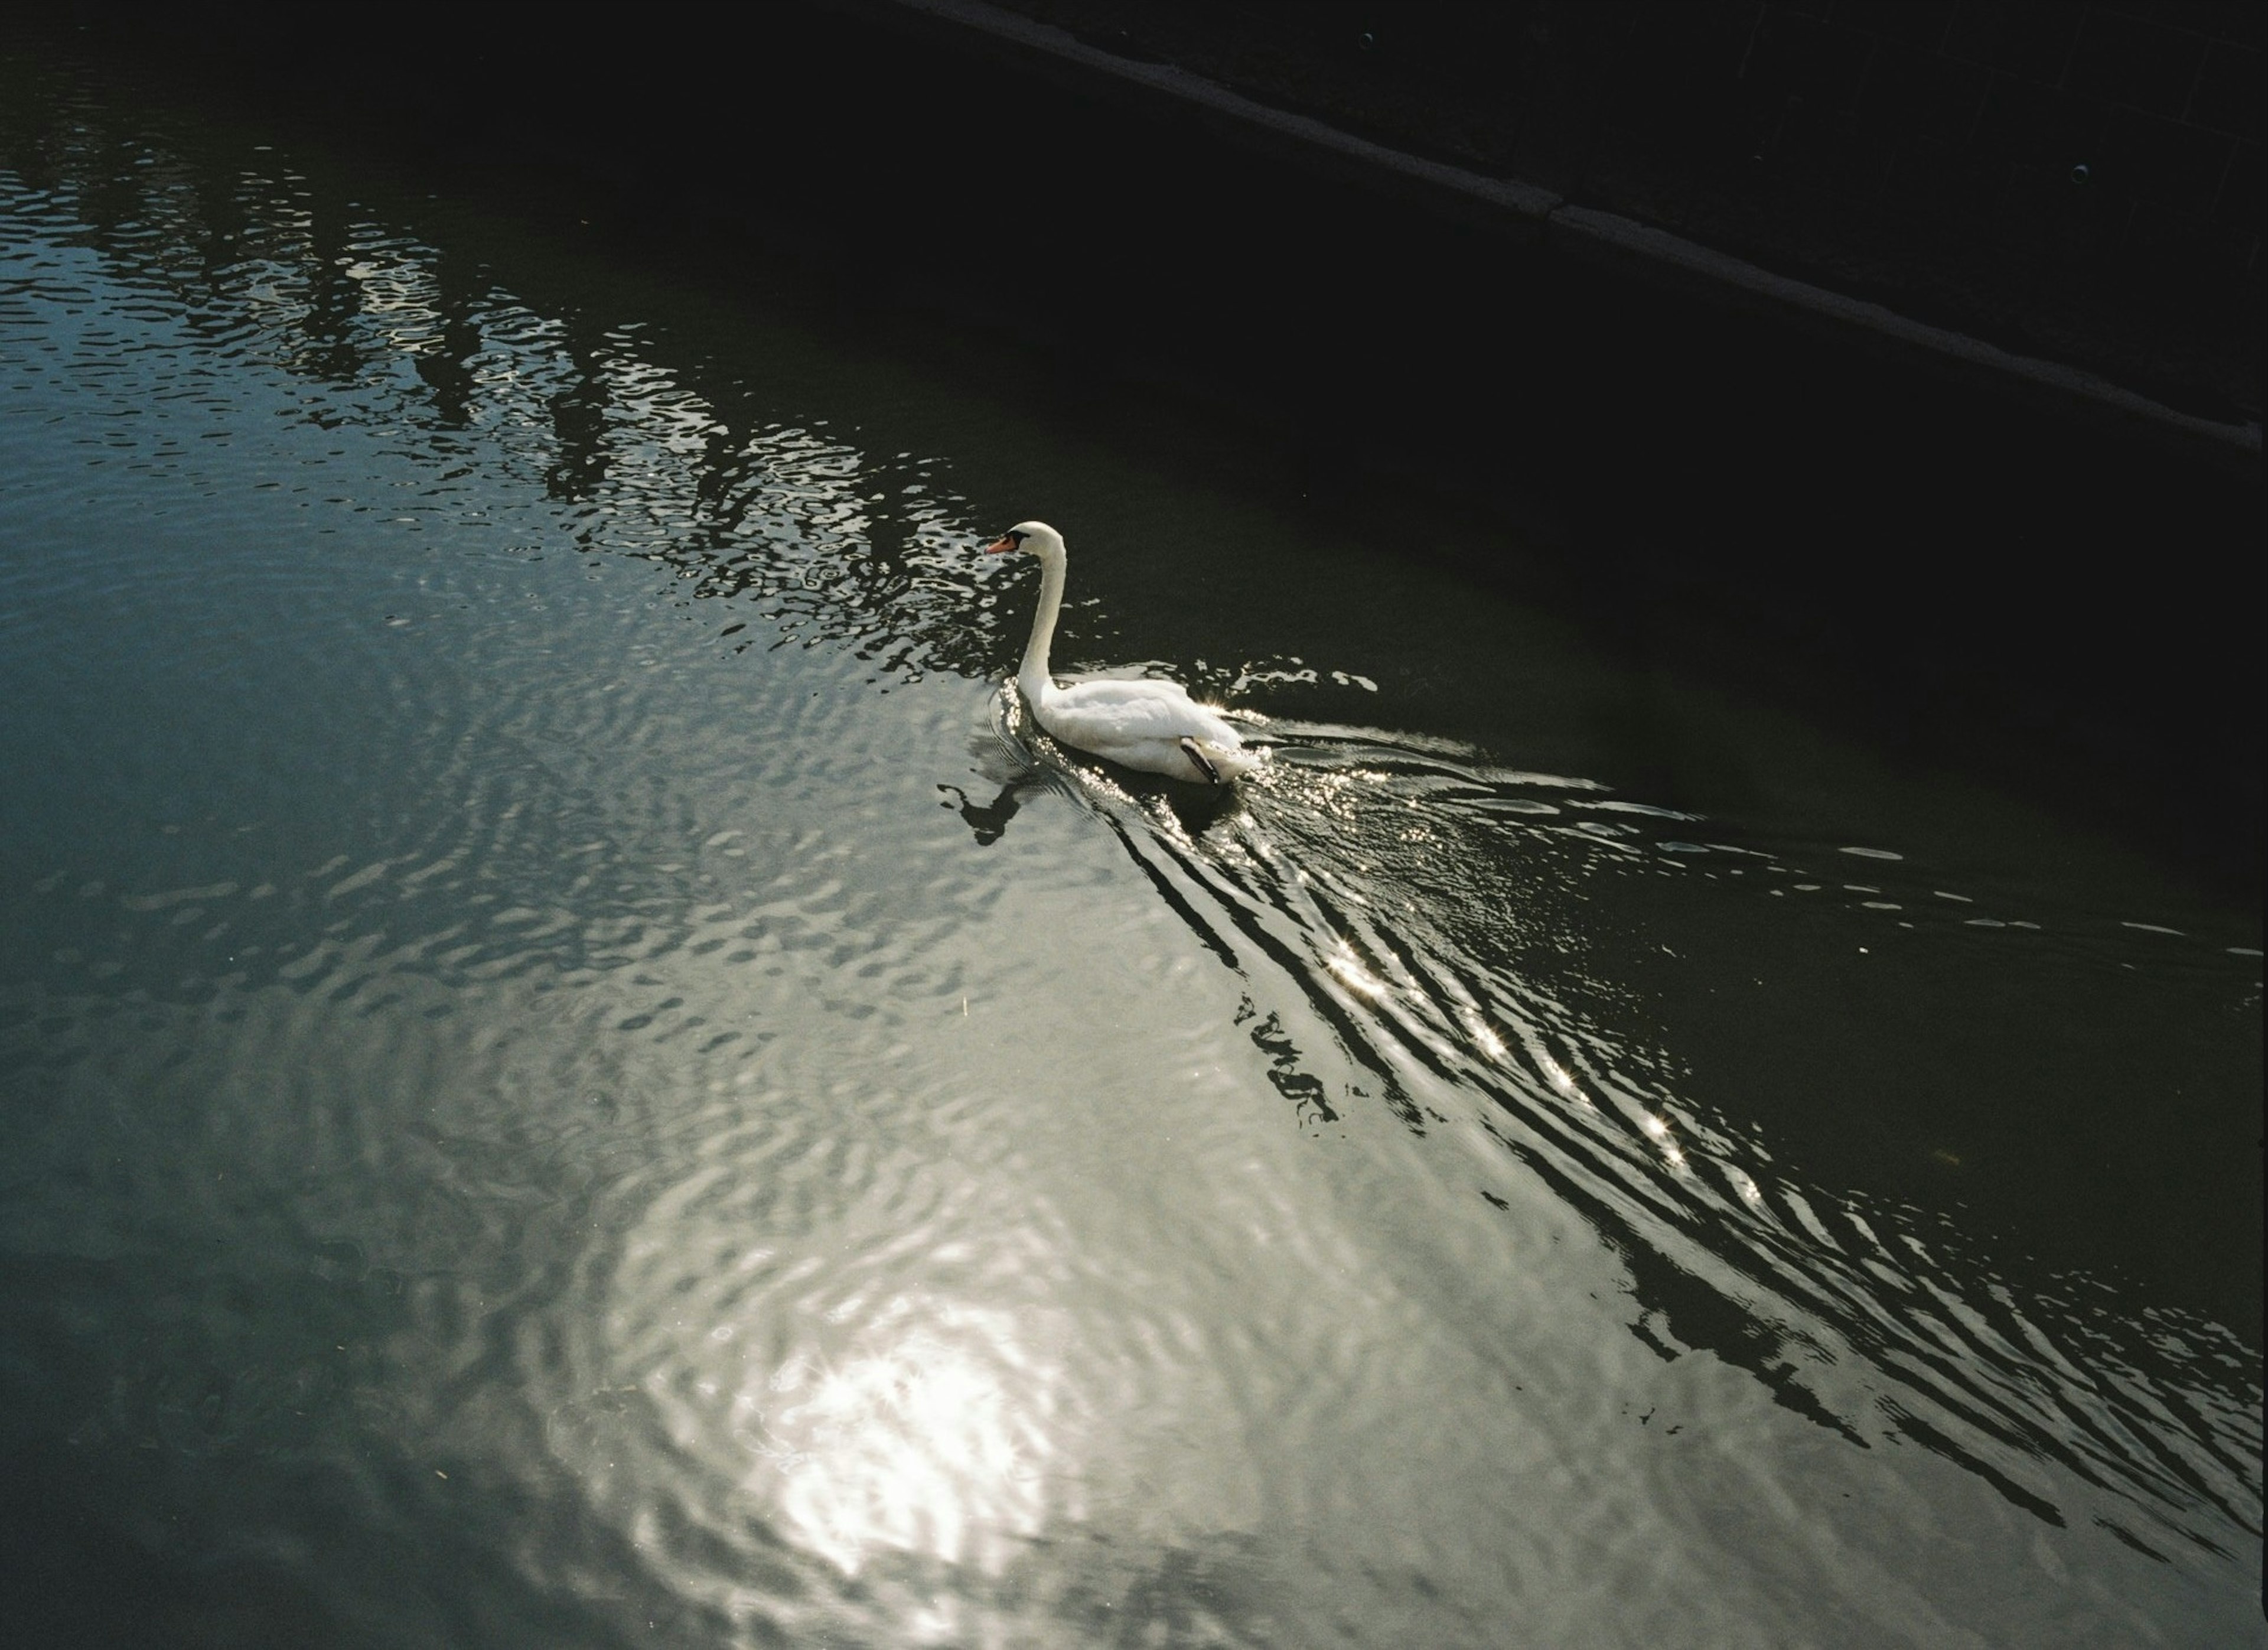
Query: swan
<point x="1154" y="726"/>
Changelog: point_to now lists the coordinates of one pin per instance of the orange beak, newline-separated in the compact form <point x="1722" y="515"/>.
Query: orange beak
<point x="1000" y="546"/>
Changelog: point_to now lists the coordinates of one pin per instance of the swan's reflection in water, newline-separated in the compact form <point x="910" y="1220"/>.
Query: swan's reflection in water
<point x="989" y="821"/>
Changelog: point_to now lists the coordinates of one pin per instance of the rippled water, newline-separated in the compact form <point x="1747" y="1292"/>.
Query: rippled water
<point x="573" y="1072"/>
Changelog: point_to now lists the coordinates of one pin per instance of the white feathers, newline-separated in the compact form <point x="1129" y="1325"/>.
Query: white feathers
<point x="1154" y="726"/>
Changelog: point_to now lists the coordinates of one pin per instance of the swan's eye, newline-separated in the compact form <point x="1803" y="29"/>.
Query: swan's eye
<point x="1017" y="539"/>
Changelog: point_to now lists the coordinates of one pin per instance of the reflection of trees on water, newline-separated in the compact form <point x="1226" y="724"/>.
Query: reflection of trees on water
<point x="329" y="334"/>
<point x="579" y="422"/>
<point x="107" y="185"/>
<point x="222" y="229"/>
<point x="446" y="368"/>
<point x="686" y="469"/>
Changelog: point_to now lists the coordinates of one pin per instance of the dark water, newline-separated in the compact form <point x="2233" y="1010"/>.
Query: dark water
<point x="570" y="1076"/>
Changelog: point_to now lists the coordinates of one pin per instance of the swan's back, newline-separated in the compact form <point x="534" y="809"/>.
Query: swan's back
<point x="1124" y="713"/>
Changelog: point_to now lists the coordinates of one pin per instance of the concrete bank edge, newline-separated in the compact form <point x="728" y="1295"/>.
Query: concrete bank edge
<point x="1525" y="211"/>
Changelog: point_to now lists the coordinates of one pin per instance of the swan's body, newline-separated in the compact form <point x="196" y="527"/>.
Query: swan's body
<point x="1152" y="725"/>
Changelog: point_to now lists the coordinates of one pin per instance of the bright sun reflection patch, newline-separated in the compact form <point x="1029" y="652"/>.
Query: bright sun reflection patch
<point x="1562" y="1079"/>
<point x="1657" y="1130"/>
<point x="930" y="1438"/>
<point x="1482" y="1034"/>
<point x="1342" y="962"/>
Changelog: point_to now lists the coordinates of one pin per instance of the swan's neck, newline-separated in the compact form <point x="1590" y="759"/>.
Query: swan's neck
<point x="1032" y="679"/>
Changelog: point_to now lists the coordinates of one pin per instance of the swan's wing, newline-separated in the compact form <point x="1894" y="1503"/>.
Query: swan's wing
<point x="1095" y="715"/>
<point x="1121" y="689"/>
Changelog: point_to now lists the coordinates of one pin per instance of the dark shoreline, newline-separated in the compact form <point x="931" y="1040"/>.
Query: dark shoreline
<point x="1971" y="578"/>
<point x="2114" y="375"/>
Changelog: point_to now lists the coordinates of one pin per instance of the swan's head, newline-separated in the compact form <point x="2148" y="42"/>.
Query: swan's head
<point x="1031" y="537"/>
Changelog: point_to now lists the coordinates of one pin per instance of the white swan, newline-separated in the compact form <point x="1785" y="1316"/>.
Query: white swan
<point x="1151" y="726"/>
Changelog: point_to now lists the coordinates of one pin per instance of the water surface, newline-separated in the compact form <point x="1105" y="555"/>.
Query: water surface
<point x="571" y="1072"/>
